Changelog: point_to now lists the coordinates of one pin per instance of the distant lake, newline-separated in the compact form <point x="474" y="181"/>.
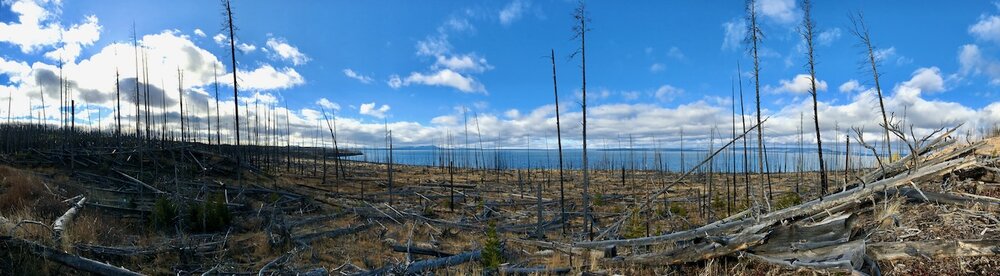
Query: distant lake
<point x="782" y="159"/>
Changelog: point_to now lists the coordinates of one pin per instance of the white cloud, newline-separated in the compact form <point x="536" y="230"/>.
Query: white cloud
<point x="987" y="29"/>
<point x="371" y="110"/>
<point x="512" y="113"/>
<point x="395" y="82"/>
<point x="734" y="31"/>
<point x="433" y="45"/>
<point x="354" y="75"/>
<point x="36" y="28"/>
<point x="926" y="79"/>
<point x="827" y="37"/>
<point x="266" y="77"/>
<point x="851" y="86"/>
<point x="667" y="93"/>
<point x="220" y="39"/>
<point x="657" y="67"/>
<point x="246" y="48"/>
<point x="463" y="63"/>
<point x="199" y="32"/>
<point x="513" y="11"/>
<point x="802" y="83"/>
<point x="287" y="52"/>
<point x="328" y="104"/>
<point x="972" y="62"/>
<point x="675" y="53"/>
<point x="781" y="11"/>
<point x="445" y="77"/>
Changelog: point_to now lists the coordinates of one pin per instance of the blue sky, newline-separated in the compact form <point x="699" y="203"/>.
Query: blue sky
<point x="653" y="66"/>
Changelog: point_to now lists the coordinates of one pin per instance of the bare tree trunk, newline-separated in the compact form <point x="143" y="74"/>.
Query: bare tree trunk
<point x="562" y="195"/>
<point x="755" y="37"/>
<point x="807" y="33"/>
<point x="581" y="32"/>
<point x="860" y="30"/>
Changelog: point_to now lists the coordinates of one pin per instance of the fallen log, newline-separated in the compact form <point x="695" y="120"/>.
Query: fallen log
<point x="307" y="238"/>
<point x="846" y="256"/>
<point x="804" y="209"/>
<point x="137" y="181"/>
<point x="428" y="265"/>
<point x="427" y="251"/>
<point x="885" y="251"/>
<point x="60" y="224"/>
<point x="69" y="260"/>
<point x="541" y="270"/>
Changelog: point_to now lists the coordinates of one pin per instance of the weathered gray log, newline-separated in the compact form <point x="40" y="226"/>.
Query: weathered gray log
<point x="541" y="270"/>
<point x="846" y="256"/>
<point x="708" y="248"/>
<point x="427" y="265"/>
<point x="62" y="222"/>
<point x="427" y="251"/>
<point x="137" y="181"/>
<point x="933" y="248"/>
<point x="804" y="209"/>
<point x="72" y="261"/>
<point x="307" y="238"/>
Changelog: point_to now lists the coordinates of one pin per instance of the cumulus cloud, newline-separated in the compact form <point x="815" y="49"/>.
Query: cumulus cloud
<point x="447" y="78"/>
<point x="780" y="11"/>
<point x="395" y="82"/>
<point x="462" y="63"/>
<point x="733" y="33"/>
<point x="800" y="84"/>
<point x="986" y="29"/>
<point x="850" y="86"/>
<point x="266" y="77"/>
<point x="667" y="93"/>
<point x="200" y="33"/>
<point x="246" y="48"/>
<point x="354" y="75"/>
<point x="286" y="51"/>
<point x="513" y="11"/>
<point x="220" y="39"/>
<point x="36" y="28"/>
<point x="972" y="62"/>
<point x="657" y="67"/>
<point x="825" y="38"/>
<point x="926" y="79"/>
<point x="328" y="104"/>
<point x="371" y="109"/>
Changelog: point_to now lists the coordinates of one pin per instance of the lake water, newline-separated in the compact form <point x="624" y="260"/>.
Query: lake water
<point x="783" y="160"/>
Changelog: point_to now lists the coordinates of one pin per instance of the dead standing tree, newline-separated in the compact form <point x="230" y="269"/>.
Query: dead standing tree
<point x="754" y="36"/>
<point x="860" y="30"/>
<point x="236" y="94"/>
<point x="580" y="32"/>
<point x="555" y="91"/>
<point x="807" y="34"/>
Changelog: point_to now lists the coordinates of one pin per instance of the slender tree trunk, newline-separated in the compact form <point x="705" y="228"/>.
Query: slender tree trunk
<point x="562" y="191"/>
<point x="807" y="34"/>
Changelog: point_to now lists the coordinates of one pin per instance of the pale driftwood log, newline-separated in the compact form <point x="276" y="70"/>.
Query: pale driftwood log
<point x="804" y="209"/>
<point x="419" y="250"/>
<point x="69" y="260"/>
<point x="804" y="236"/>
<point x="62" y="222"/>
<point x="137" y="181"/>
<point x="846" y="256"/>
<point x="933" y="248"/>
<point x="426" y="265"/>
<point x="710" y="247"/>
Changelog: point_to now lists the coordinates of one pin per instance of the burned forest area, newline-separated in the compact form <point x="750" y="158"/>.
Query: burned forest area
<point x="235" y="188"/>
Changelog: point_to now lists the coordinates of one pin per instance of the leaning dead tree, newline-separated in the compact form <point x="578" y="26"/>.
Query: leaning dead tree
<point x="555" y="91"/>
<point x="580" y="32"/>
<point x="860" y="30"/>
<point x="807" y="34"/>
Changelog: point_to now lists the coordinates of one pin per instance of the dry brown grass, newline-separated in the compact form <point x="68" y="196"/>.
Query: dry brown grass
<point x="20" y="190"/>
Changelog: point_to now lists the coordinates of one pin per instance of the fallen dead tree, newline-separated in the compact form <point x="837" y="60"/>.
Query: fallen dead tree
<point x="66" y="259"/>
